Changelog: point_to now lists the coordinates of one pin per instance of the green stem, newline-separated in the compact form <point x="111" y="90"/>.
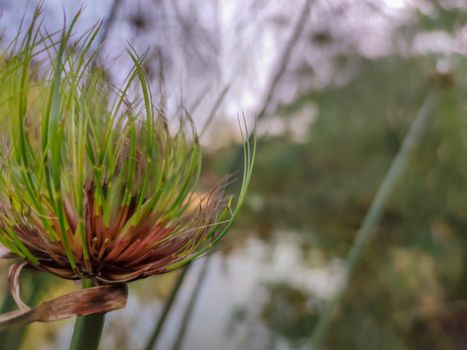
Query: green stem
<point x="191" y="305"/>
<point x="367" y="229"/>
<point x="88" y="329"/>
<point x="167" y="307"/>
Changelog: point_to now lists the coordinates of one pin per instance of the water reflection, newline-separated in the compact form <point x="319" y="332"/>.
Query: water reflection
<point x="243" y="303"/>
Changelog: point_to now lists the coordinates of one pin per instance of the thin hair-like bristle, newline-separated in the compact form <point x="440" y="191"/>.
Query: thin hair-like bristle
<point x="93" y="183"/>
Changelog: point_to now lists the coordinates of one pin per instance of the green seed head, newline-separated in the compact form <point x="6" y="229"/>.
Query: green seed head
<point x="92" y="182"/>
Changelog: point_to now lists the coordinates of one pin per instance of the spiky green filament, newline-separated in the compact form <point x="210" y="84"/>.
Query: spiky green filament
<point x="92" y="182"/>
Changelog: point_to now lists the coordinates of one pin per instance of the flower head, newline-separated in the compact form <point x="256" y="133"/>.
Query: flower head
<point x="92" y="182"/>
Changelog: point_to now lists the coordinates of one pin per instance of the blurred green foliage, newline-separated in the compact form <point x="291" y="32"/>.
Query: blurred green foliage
<point x="413" y="272"/>
<point x="288" y="312"/>
<point x="442" y="17"/>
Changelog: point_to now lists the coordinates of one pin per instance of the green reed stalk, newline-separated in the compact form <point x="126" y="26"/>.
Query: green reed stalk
<point x="166" y="310"/>
<point x="88" y="329"/>
<point x="367" y="229"/>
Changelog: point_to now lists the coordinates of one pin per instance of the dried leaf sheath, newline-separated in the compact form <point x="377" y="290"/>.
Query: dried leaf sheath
<point x="92" y="182"/>
<point x="88" y="301"/>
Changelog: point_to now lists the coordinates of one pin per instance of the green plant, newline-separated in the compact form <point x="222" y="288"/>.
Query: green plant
<point x="93" y="184"/>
